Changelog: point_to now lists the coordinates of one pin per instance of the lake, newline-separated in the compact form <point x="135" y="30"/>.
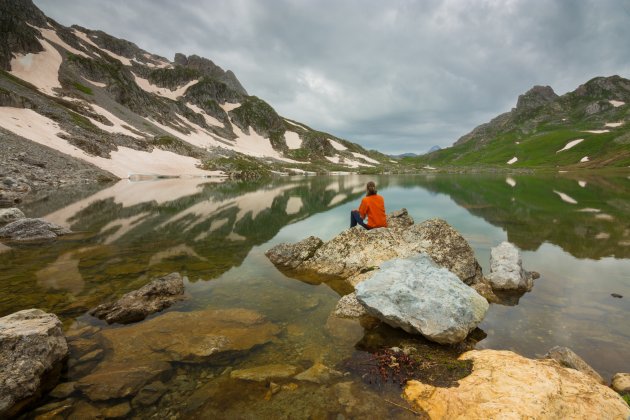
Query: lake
<point x="574" y="229"/>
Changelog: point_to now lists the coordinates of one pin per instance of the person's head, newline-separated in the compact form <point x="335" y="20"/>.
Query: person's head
<point x="371" y="188"/>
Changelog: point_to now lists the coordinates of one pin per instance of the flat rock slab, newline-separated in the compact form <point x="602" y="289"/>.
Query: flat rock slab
<point x="32" y="345"/>
<point x="141" y="353"/>
<point x="137" y="305"/>
<point x="420" y="297"/>
<point x="504" y="385"/>
<point x="265" y="372"/>
<point x="25" y="230"/>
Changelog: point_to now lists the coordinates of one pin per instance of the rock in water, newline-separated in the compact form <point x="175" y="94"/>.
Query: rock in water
<point x="10" y="215"/>
<point x="417" y="295"/>
<point x="353" y="253"/>
<point x="32" y="230"/>
<point x="504" y="385"/>
<point x="32" y="348"/>
<point x="621" y="382"/>
<point x="567" y="358"/>
<point x="506" y="269"/>
<point x="137" y="305"/>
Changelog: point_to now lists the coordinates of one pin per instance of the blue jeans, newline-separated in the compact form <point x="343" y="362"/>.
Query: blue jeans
<point x="355" y="219"/>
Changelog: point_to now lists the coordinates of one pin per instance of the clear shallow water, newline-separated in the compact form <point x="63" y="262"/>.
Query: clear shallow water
<point x="216" y="235"/>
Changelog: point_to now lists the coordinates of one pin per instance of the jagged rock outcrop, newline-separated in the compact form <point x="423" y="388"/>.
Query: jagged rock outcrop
<point x="32" y="349"/>
<point x="535" y="97"/>
<point x="354" y="253"/>
<point x="137" y="305"/>
<point x="505" y="385"/>
<point x="506" y="269"/>
<point x="25" y="230"/>
<point x="418" y="296"/>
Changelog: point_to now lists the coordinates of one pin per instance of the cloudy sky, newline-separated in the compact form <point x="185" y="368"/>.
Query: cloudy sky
<point x="396" y="76"/>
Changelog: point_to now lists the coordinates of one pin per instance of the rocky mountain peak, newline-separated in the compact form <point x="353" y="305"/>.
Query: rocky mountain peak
<point x="536" y="97"/>
<point x="208" y="68"/>
<point x="17" y="36"/>
<point x="612" y="87"/>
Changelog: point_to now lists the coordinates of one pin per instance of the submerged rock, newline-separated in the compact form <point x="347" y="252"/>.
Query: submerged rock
<point x="24" y="230"/>
<point x="137" y="305"/>
<point x="355" y="253"/>
<point x="10" y="215"/>
<point x="567" y="358"/>
<point x="319" y="374"/>
<point x="32" y="349"/>
<point x="265" y="373"/>
<point x="506" y="269"/>
<point x="506" y="385"/>
<point x="349" y="307"/>
<point x="141" y="353"/>
<point x="418" y="296"/>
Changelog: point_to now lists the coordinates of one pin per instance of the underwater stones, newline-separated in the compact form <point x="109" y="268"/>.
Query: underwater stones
<point x="137" y="305"/>
<point x="355" y="253"/>
<point x="420" y="297"/>
<point x="319" y="374"/>
<point x="140" y="354"/>
<point x="32" y="349"/>
<point x="25" y="230"/>
<point x="567" y="358"/>
<point x="265" y="373"/>
<point x="506" y="385"/>
<point x="506" y="269"/>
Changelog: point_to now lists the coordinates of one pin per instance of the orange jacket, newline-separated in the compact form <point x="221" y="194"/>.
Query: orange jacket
<point x="373" y="206"/>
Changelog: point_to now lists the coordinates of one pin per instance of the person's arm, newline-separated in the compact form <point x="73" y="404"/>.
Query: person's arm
<point x="363" y="208"/>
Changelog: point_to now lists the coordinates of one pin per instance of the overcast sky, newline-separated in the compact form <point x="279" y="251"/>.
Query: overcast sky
<point x="396" y="76"/>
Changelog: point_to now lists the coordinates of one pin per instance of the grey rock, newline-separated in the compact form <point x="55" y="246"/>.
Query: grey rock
<point x="137" y="305"/>
<point x="420" y="297"/>
<point x="349" y="307"/>
<point x="568" y="358"/>
<point x="25" y="230"/>
<point x="354" y="254"/>
<point x="32" y="348"/>
<point x="10" y="215"/>
<point x="506" y="269"/>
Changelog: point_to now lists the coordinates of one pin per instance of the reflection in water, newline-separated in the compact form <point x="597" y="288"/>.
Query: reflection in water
<point x="133" y="232"/>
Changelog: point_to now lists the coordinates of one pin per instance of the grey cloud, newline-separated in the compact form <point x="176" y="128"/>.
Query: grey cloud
<point x="394" y="76"/>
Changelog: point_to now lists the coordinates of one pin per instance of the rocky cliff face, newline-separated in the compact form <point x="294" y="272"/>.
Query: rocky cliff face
<point x="113" y="105"/>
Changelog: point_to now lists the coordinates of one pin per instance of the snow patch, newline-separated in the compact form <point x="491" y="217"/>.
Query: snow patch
<point x="97" y="84"/>
<point x="513" y="160"/>
<point x="346" y="162"/>
<point x="589" y="210"/>
<point x="297" y="125"/>
<point x="292" y="139"/>
<point x="118" y="126"/>
<point x="51" y="35"/>
<point x="366" y="158"/>
<point x="227" y="107"/>
<point x="40" y="69"/>
<point x="582" y="184"/>
<point x="616" y="104"/>
<point x="570" y="145"/>
<point x="510" y="181"/>
<point x="614" y="124"/>
<point x="167" y="93"/>
<point x="336" y="145"/>
<point x="210" y="120"/>
<point x="584" y="159"/>
<point x="294" y="205"/>
<point x="565" y="197"/>
<point x="596" y="131"/>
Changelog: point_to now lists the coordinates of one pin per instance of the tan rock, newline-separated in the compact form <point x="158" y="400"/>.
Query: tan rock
<point x="504" y="385"/>
<point x="117" y="411"/>
<point x="265" y="373"/>
<point x="140" y="353"/>
<point x="621" y="382"/>
<point x="318" y="373"/>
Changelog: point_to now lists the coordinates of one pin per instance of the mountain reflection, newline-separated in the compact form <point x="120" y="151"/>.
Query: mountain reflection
<point x="587" y="216"/>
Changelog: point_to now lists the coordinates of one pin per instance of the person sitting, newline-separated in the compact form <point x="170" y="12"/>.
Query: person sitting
<point x="373" y="207"/>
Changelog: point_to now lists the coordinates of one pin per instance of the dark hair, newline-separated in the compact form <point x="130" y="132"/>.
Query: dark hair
<point x="371" y="188"/>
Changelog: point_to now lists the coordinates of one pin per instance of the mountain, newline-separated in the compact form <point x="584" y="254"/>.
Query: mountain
<point x="404" y="155"/>
<point x="586" y="128"/>
<point x="434" y="149"/>
<point x="82" y="95"/>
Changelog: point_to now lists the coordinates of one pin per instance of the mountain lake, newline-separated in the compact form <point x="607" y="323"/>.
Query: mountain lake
<point x="574" y="229"/>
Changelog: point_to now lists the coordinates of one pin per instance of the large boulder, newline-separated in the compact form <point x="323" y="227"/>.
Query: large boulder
<point x="137" y="305"/>
<point x="10" y="215"/>
<point x="32" y="349"/>
<point x="506" y="269"/>
<point x="139" y="354"/>
<point x="504" y="385"/>
<point x="24" y="230"/>
<point x="420" y="297"/>
<point x="355" y="253"/>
